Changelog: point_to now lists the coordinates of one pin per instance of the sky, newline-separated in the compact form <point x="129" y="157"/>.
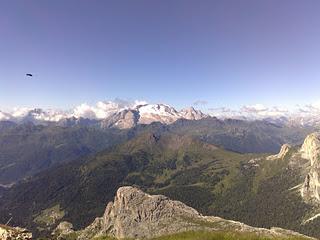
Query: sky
<point x="180" y="52"/>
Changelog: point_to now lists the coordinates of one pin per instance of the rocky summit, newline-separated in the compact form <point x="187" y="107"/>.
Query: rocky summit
<point x="136" y="215"/>
<point x="311" y="150"/>
<point x="149" y="113"/>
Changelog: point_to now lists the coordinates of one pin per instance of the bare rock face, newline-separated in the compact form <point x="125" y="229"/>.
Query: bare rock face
<point x="311" y="148"/>
<point x="136" y="215"/>
<point x="311" y="151"/>
<point x="149" y="113"/>
<point x="122" y="120"/>
<point x="283" y="152"/>
<point x="148" y="214"/>
<point x="63" y="229"/>
<point x="10" y="233"/>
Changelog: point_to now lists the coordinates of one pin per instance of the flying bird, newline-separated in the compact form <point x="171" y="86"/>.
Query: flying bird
<point x="29" y="75"/>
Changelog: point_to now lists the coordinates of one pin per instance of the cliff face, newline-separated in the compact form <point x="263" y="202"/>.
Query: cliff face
<point x="311" y="151"/>
<point x="148" y="214"/>
<point x="311" y="148"/>
<point x="122" y="120"/>
<point x="136" y="215"/>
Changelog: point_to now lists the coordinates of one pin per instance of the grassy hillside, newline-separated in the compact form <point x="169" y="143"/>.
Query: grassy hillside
<point x="150" y="161"/>
<point x="220" y="236"/>
<point x="210" y="179"/>
<point x="28" y="149"/>
<point x="202" y="235"/>
<point x="242" y="136"/>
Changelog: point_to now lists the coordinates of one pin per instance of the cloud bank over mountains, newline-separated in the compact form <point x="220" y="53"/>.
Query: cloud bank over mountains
<point x="306" y="114"/>
<point x="100" y="110"/>
<point x="104" y="109"/>
<point x="251" y="111"/>
<point x="262" y="111"/>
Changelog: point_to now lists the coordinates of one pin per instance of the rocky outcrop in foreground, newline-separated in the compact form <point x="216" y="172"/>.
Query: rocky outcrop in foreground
<point x="283" y="152"/>
<point x="311" y="150"/>
<point x="135" y="214"/>
<point x="14" y="233"/>
<point x="62" y="230"/>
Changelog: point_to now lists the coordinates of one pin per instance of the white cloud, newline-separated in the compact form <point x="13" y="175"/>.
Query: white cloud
<point x="4" y="116"/>
<point x="310" y="109"/>
<point x="256" y="111"/>
<point x="20" y="112"/>
<point x="224" y="112"/>
<point x="256" y="108"/>
<point x="85" y="111"/>
<point x="200" y="102"/>
<point x="220" y="109"/>
<point x="316" y="105"/>
<point x="100" y="110"/>
<point x="103" y="109"/>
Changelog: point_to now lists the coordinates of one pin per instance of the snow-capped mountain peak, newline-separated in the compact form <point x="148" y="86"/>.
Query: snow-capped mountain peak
<point x="158" y="109"/>
<point x="122" y="114"/>
<point x="119" y="113"/>
<point x="157" y="113"/>
<point x="192" y="114"/>
<point x="148" y="113"/>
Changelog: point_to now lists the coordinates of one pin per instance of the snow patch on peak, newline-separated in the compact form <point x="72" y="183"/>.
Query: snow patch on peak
<point x="157" y="113"/>
<point x="148" y="113"/>
<point x="192" y="114"/>
<point x="159" y="109"/>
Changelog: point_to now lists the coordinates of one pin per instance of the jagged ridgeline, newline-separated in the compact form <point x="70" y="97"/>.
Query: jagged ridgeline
<point x="136" y="215"/>
<point x="257" y="189"/>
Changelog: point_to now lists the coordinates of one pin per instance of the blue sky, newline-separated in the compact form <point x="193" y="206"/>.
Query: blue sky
<point x="228" y="52"/>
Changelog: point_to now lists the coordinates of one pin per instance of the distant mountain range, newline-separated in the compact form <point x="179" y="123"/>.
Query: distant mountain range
<point x="124" y="114"/>
<point x="111" y="115"/>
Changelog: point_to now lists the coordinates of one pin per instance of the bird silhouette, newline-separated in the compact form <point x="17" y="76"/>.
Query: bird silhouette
<point x="29" y="75"/>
